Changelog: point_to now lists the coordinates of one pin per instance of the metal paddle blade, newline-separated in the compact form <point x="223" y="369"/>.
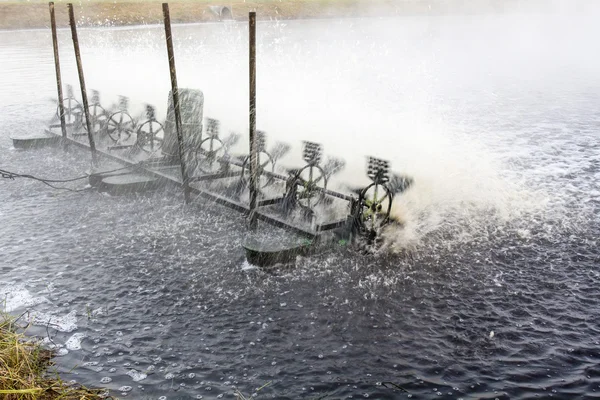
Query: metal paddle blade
<point x="333" y="166"/>
<point x="230" y="140"/>
<point x="150" y="111"/>
<point x="312" y="152"/>
<point x="378" y="170"/>
<point x="123" y="103"/>
<point x="399" y="183"/>
<point x="279" y="150"/>
<point x="261" y="141"/>
<point x="95" y="97"/>
<point x="212" y="127"/>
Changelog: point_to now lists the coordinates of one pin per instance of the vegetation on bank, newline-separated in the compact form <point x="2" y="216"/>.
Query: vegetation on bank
<point x="34" y="14"/>
<point x="23" y="369"/>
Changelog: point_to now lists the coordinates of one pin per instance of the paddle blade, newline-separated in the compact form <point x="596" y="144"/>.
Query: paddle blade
<point x="333" y="166"/>
<point x="279" y="150"/>
<point x="399" y="183"/>
<point x="231" y="140"/>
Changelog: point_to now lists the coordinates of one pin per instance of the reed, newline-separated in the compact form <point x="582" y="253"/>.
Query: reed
<point x="24" y="369"/>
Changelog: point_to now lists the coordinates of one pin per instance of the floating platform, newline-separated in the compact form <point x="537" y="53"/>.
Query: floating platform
<point x="35" y="141"/>
<point x="268" y="252"/>
<point x="96" y="178"/>
<point x="129" y="183"/>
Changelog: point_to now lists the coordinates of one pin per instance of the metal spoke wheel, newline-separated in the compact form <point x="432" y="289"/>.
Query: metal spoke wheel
<point x="150" y="136"/>
<point x="120" y="127"/>
<point x="312" y="182"/>
<point x="374" y="207"/>
<point x="208" y="155"/>
<point x="98" y="118"/>
<point x="265" y="164"/>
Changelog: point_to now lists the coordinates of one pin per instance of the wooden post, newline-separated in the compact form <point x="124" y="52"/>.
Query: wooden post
<point x="175" y="93"/>
<point x="252" y="220"/>
<point x="61" y="106"/>
<point x="86" y="108"/>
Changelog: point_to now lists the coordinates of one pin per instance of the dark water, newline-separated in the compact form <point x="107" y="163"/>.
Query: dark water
<point x="502" y="225"/>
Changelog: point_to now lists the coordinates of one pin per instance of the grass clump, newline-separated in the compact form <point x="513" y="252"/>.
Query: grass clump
<point x="23" y="369"/>
<point x="240" y="396"/>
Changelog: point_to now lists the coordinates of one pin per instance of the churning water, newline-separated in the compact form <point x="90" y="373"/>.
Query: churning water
<point x="490" y="291"/>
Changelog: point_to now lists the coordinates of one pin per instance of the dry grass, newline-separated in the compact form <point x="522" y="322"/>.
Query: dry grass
<point x="240" y="396"/>
<point x="15" y="15"/>
<point x="34" y="14"/>
<point x="23" y="369"/>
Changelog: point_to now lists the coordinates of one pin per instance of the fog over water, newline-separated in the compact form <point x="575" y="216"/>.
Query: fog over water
<point x="497" y="118"/>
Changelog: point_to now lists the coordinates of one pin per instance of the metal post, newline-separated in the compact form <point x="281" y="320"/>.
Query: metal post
<point x="61" y="107"/>
<point x="86" y="108"/>
<point x="253" y="145"/>
<point x="174" y="91"/>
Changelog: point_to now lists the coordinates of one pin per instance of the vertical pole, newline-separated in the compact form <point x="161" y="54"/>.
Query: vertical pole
<point x="61" y="107"/>
<point x="175" y="93"/>
<point x="86" y="108"/>
<point x="253" y="145"/>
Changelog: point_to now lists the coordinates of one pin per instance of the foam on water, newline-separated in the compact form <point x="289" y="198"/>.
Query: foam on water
<point x="64" y="323"/>
<point x="74" y="342"/>
<point x="136" y="375"/>
<point x="16" y="297"/>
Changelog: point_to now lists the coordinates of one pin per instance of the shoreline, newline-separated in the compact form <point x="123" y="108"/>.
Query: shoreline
<point x="19" y="16"/>
<point x="24" y="371"/>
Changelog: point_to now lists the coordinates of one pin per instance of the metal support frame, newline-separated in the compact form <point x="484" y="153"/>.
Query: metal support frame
<point x="377" y="170"/>
<point x="158" y="167"/>
<point x="252" y="103"/>
<point x="174" y="91"/>
<point x="82" y="83"/>
<point x="61" y="106"/>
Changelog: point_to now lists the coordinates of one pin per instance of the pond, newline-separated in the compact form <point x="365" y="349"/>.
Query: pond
<point x="491" y="290"/>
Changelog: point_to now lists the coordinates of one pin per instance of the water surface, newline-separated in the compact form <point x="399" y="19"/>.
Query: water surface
<point x="497" y="119"/>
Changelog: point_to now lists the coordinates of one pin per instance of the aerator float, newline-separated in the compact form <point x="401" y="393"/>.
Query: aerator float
<point x="298" y="199"/>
